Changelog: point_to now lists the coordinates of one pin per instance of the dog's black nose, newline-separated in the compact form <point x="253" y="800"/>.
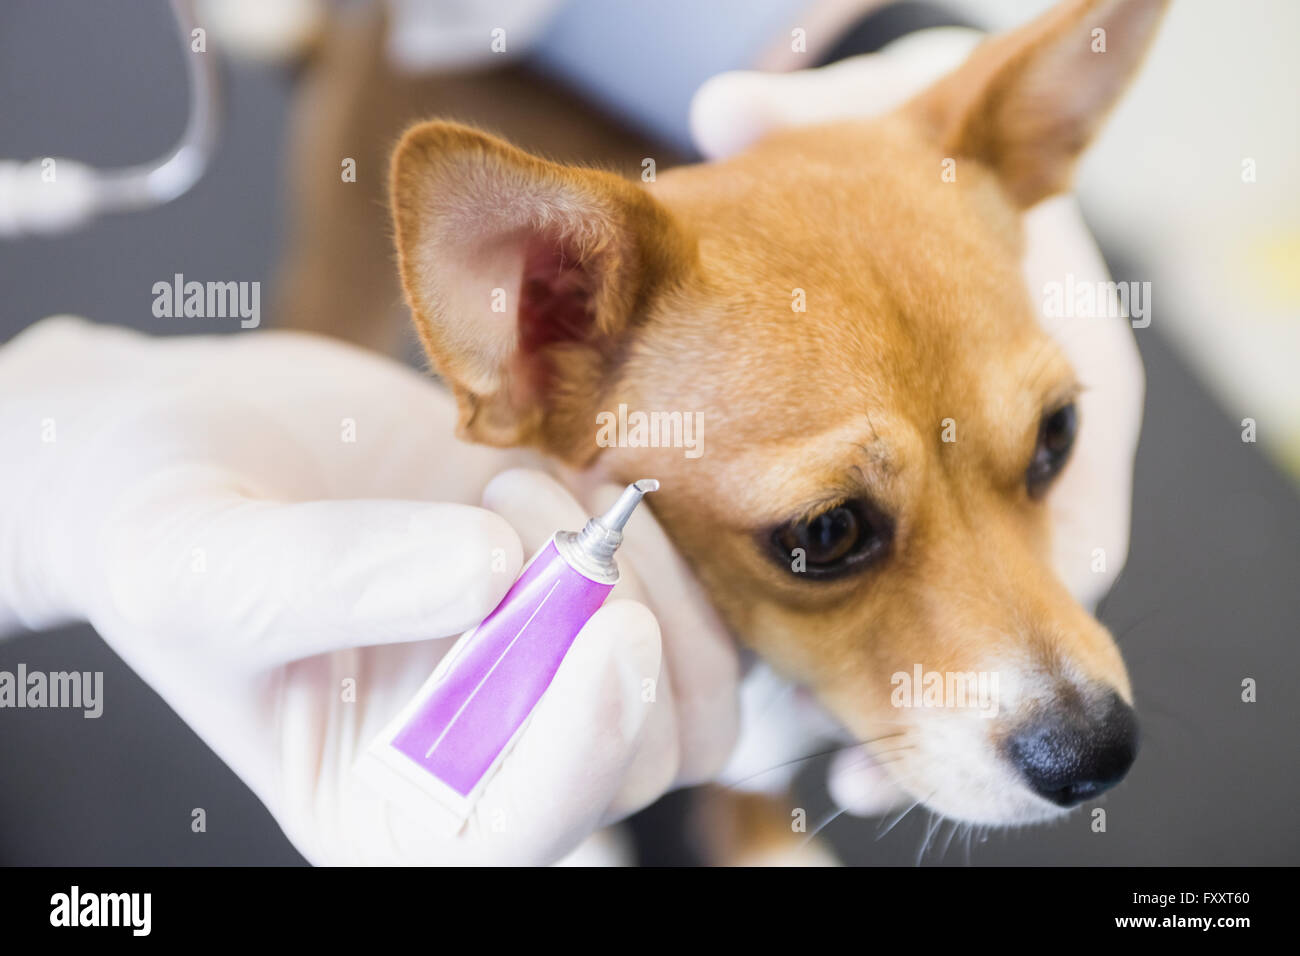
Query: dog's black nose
<point x="1073" y="753"/>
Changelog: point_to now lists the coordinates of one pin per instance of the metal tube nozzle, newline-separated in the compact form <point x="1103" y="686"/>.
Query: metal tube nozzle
<point x="616" y="517"/>
<point x="600" y="538"/>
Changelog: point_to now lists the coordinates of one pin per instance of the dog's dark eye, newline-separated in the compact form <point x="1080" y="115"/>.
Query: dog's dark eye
<point x="835" y="542"/>
<point x="1055" y="439"/>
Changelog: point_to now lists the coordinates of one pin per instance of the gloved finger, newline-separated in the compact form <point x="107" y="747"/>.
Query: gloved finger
<point x="534" y="504"/>
<point x="657" y="762"/>
<point x="537" y="505"/>
<point x="1090" y="504"/>
<point x="187" y="555"/>
<point x="572" y="758"/>
<point x="860" y="784"/>
<point x="700" y="656"/>
<point x="733" y="110"/>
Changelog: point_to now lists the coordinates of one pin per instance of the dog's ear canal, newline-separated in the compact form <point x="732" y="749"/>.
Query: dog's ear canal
<point x="1028" y="102"/>
<point x="525" y="278"/>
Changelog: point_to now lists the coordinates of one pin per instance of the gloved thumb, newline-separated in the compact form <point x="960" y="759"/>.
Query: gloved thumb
<point x="280" y="581"/>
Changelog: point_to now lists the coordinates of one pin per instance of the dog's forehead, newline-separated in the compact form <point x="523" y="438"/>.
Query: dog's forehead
<point x="853" y="236"/>
<point x="796" y="303"/>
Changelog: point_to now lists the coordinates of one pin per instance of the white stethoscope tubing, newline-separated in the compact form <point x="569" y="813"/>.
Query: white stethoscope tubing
<point x="33" y="203"/>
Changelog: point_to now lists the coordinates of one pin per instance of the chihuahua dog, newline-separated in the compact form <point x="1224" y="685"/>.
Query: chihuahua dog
<point x="871" y="499"/>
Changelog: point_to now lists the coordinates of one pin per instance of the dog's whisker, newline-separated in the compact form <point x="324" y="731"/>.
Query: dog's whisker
<point x="1157" y="706"/>
<point x="877" y="756"/>
<point x="1129" y="628"/>
<point x="947" y="843"/>
<point x="881" y="835"/>
<point x="813" y="756"/>
<point x="931" y="828"/>
<point x="895" y="757"/>
<point x="781" y="693"/>
<point x="823" y="825"/>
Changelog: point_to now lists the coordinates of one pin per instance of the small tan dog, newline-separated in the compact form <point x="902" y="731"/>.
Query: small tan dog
<point x="840" y="531"/>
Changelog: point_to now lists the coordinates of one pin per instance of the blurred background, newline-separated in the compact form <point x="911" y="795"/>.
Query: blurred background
<point x="1192" y="187"/>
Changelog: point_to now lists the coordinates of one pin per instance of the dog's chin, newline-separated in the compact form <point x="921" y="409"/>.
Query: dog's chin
<point x="965" y="791"/>
<point x="991" y="797"/>
<point x="1013" y="810"/>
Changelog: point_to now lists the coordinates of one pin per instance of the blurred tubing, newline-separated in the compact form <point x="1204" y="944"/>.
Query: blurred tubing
<point x="78" y="193"/>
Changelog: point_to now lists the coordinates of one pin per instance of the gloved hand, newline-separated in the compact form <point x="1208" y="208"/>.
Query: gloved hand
<point x="271" y="531"/>
<point x="1090" y="505"/>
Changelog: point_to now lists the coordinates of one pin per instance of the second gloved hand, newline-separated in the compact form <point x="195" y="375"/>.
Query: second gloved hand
<point x="282" y="537"/>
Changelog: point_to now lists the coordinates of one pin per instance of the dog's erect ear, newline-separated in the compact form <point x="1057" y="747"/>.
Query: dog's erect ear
<point x="1028" y="102"/>
<point x="525" y="276"/>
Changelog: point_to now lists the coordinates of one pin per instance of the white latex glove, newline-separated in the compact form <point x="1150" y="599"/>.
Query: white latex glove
<point x="1090" y="505"/>
<point x="270" y="530"/>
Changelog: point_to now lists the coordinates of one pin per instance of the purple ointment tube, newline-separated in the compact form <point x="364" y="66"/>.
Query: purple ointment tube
<point x="453" y="734"/>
